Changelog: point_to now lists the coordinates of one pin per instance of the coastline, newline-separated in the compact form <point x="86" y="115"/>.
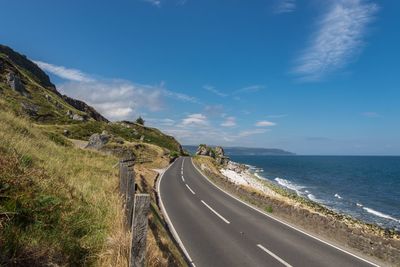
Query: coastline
<point x="344" y="230"/>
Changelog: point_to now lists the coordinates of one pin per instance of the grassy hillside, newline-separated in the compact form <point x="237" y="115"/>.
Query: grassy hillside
<point x="35" y="96"/>
<point x="59" y="202"/>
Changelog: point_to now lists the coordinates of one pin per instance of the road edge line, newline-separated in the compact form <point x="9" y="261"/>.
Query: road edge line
<point x="168" y="220"/>
<point x="282" y="222"/>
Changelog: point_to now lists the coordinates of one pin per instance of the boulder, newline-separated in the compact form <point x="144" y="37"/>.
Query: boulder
<point x="77" y="117"/>
<point x="98" y="141"/>
<point x="30" y="109"/>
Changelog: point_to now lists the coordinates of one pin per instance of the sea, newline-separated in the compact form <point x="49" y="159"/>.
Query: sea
<point x="364" y="187"/>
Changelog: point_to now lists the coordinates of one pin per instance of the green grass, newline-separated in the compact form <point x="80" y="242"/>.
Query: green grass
<point x="58" y="204"/>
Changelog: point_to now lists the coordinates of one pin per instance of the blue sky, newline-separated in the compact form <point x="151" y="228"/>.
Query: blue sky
<point x="312" y="77"/>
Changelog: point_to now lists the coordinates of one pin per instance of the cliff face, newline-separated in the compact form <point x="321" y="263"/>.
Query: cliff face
<point x="28" y="90"/>
<point x="82" y="106"/>
<point x="24" y="63"/>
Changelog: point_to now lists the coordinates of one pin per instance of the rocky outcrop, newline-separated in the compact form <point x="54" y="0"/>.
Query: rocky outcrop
<point x="98" y="141"/>
<point x="218" y="153"/>
<point x="22" y="61"/>
<point x="30" y="109"/>
<point x="14" y="81"/>
<point x="82" y="106"/>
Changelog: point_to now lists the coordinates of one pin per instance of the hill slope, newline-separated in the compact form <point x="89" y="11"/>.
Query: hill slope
<point x="59" y="203"/>
<point x="27" y="90"/>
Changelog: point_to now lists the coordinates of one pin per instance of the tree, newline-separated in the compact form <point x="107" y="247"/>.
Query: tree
<point x="140" y="120"/>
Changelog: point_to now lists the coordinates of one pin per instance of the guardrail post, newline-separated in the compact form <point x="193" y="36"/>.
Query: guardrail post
<point x="139" y="230"/>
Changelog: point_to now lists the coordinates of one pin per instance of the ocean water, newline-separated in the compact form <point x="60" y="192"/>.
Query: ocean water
<point x="365" y="187"/>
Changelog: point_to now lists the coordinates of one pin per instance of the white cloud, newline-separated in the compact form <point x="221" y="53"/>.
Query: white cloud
<point x="229" y="122"/>
<point x="285" y="6"/>
<point x="116" y="99"/>
<point x="371" y="114"/>
<point x="214" y="91"/>
<point x="196" y="119"/>
<point x="252" y="132"/>
<point x="156" y="3"/>
<point x="63" y="72"/>
<point x="250" y="89"/>
<point x="265" y="123"/>
<point x="338" y="39"/>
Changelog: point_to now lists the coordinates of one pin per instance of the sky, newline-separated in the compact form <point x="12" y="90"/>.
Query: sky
<point x="316" y="77"/>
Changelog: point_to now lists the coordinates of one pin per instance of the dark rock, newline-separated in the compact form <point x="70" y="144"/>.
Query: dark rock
<point x="82" y="106"/>
<point x="15" y="82"/>
<point x="30" y="109"/>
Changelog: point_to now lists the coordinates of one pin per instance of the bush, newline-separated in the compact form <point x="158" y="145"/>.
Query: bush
<point x="140" y="121"/>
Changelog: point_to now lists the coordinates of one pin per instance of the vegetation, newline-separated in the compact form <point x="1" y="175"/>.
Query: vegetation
<point x="140" y="121"/>
<point x="59" y="204"/>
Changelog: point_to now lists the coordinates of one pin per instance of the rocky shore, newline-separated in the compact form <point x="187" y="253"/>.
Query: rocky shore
<point x="362" y="238"/>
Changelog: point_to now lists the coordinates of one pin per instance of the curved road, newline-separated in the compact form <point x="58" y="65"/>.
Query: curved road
<point x="215" y="229"/>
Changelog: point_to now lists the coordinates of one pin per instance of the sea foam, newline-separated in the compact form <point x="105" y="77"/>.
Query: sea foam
<point x="290" y="185"/>
<point x="338" y="196"/>
<point x="380" y="214"/>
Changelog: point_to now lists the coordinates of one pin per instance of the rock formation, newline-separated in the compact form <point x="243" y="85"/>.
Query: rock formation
<point x="218" y="153"/>
<point x="98" y="141"/>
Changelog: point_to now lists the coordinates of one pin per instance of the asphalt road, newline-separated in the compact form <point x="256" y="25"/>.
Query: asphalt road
<point x="215" y="229"/>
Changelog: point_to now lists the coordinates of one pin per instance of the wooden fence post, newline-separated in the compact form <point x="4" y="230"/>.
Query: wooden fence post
<point x="122" y="176"/>
<point x="130" y="192"/>
<point x="139" y="230"/>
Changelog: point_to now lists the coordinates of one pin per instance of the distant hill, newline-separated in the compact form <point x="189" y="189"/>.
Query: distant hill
<point x="245" y="151"/>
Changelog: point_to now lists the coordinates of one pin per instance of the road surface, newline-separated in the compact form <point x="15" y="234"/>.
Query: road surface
<point x="216" y="229"/>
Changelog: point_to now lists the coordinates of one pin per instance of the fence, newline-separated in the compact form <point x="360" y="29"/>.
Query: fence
<point x="136" y="208"/>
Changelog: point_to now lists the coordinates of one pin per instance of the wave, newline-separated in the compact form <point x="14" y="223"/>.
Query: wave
<point x="313" y="198"/>
<point x="359" y="205"/>
<point x="290" y="185"/>
<point x="338" y="196"/>
<point x="380" y="214"/>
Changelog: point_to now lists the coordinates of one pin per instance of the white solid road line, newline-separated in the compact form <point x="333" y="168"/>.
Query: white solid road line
<point x="274" y="255"/>
<point x="190" y="189"/>
<point x="216" y="213"/>
<point x="183" y="178"/>
<point x="282" y="222"/>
